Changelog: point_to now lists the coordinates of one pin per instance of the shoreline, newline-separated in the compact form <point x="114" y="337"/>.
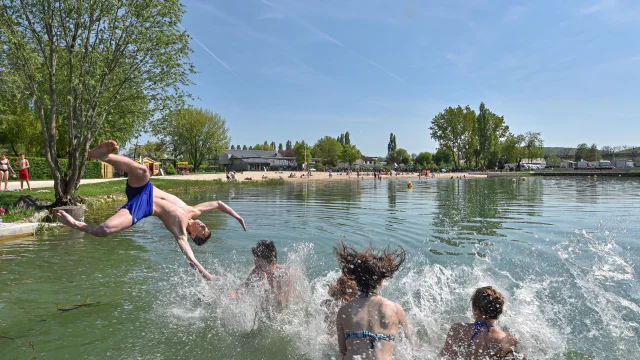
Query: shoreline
<point x="257" y="176"/>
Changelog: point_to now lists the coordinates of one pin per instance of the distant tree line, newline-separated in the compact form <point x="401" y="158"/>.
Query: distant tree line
<point x="482" y="139"/>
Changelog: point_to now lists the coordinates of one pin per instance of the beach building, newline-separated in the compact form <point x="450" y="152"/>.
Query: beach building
<point x="152" y="165"/>
<point x="255" y="160"/>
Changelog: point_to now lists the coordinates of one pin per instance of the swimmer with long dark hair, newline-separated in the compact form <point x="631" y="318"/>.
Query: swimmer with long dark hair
<point x="367" y="326"/>
<point x="481" y="339"/>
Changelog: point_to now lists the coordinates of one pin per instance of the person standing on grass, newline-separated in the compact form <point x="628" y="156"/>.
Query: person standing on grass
<point x="23" y="171"/>
<point x="145" y="200"/>
<point x="5" y="166"/>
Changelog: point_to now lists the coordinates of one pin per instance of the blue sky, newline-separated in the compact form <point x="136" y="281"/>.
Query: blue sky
<point x="282" y="70"/>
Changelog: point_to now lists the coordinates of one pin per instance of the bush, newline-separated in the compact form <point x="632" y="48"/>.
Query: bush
<point x="39" y="168"/>
<point x="171" y="170"/>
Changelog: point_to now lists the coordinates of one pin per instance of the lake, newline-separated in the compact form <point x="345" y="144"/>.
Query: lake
<point x="564" y="253"/>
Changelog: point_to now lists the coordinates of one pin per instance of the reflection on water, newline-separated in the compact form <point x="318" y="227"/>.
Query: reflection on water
<point x="566" y="262"/>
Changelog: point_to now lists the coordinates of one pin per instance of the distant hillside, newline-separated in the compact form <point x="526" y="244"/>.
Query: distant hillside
<point x="559" y="151"/>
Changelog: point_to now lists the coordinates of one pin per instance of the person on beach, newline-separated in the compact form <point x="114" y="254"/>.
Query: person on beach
<point x="5" y="166"/>
<point x="481" y="339"/>
<point x="367" y="326"/>
<point x="266" y="268"/>
<point x="145" y="200"/>
<point x="23" y="171"/>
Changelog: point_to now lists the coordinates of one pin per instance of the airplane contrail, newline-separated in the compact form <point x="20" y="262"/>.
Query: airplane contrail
<point x="333" y="40"/>
<point x="214" y="55"/>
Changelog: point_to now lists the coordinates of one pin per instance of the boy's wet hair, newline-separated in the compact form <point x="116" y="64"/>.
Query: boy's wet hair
<point x="198" y="240"/>
<point x="265" y="250"/>
<point x="343" y="289"/>
<point x="368" y="267"/>
<point x="488" y="301"/>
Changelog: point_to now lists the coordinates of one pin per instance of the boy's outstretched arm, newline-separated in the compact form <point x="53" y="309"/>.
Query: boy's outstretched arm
<point x="219" y="205"/>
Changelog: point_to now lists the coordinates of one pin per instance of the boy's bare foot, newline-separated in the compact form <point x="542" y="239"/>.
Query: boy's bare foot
<point x="65" y="218"/>
<point x="103" y="150"/>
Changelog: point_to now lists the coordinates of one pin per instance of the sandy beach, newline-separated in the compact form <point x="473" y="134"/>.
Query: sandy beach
<point x="257" y="176"/>
<point x="315" y="176"/>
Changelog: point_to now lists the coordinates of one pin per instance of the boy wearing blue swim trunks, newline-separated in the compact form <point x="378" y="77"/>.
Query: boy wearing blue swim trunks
<point x="144" y="200"/>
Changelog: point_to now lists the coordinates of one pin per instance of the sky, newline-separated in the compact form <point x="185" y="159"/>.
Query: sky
<point x="281" y="70"/>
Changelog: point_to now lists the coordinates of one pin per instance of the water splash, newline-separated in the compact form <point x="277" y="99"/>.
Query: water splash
<point x="576" y="307"/>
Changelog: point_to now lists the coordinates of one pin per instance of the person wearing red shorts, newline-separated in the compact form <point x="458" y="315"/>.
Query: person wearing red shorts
<point x="23" y="171"/>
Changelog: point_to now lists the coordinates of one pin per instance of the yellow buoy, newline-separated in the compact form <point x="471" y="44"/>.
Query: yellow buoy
<point x="513" y="181"/>
<point x="595" y="177"/>
<point x="409" y="185"/>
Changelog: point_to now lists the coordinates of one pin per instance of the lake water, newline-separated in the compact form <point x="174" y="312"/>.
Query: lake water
<point x="564" y="252"/>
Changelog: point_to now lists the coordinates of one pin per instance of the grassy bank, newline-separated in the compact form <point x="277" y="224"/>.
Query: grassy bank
<point x="96" y="193"/>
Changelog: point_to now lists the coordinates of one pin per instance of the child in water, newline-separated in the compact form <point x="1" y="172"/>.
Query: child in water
<point x="341" y="292"/>
<point x="367" y="326"/>
<point x="481" y="340"/>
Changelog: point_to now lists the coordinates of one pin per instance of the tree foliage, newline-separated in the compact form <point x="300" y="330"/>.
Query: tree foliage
<point x="200" y="134"/>
<point x="350" y="154"/>
<point x="154" y="149"/>
<point x="451" y="128"/>
<point x="328" y="149"/>
<point x="391" y="147"/>
<point x="347" y="138"/>
<point x="93" y="70"/>
<point x="301" y="148"/>
<point x="423" y="160"/>
<point x="582" y="152"/>
<point x="481" y="139"/>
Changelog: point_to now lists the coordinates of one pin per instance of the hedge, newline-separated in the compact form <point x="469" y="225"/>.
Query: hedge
<point x="39" y="168"/>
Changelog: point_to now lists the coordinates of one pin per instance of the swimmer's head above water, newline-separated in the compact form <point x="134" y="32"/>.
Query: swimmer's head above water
<point x="265" y="254"/>
<point x="487" y="303"/>
<point x="199" y="232"/>
<point x="368" y="268"/>
<point x="343" y="289"/>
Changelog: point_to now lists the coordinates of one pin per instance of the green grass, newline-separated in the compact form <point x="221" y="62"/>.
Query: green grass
<point x="89" y="191"/>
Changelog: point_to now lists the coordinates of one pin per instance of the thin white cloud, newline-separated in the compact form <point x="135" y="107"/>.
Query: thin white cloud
<point x="271" y="16"/>
<point x="214" y="55"/>
<point x="612" y="11"/>
<point x="333" y="40"/>
<point x="515" y="13"/>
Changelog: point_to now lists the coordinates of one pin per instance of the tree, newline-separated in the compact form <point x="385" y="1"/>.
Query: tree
<point x="582" y="152"/>
<point x="341" y="139"/>
<point x="328" y="149"/>
<point x="399" y="156"/>
<point x="391" y="147"/>
<point x="451" y="128"/>
<point x="280" y="149"/>
<point x="244" y="147"/>
<point x="442" y="157"/>
<point x="533" y="145"/>
<point x="350" y="154"/>
<point x="94" y="69"/>
<point x="513" y="149"/>
<point x="238" y="147"/>
<point x="233" y="147"/>
<point x="273" y="146"/>
<point x="153" y="149"/>
<point x="608" y="152"/>
<point x="566" y="153"/>
<point x="288" y="146"/>
<point x="489" y="131"/>
<point x="423" y="160"/>
<point x="593" y="153"/>
<point x="20" y="129"/>
<point x="250" y="147"/>
<point x="202" y="133"/>
<point x="347" y="138"/>
<point x="301" y="148"/>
